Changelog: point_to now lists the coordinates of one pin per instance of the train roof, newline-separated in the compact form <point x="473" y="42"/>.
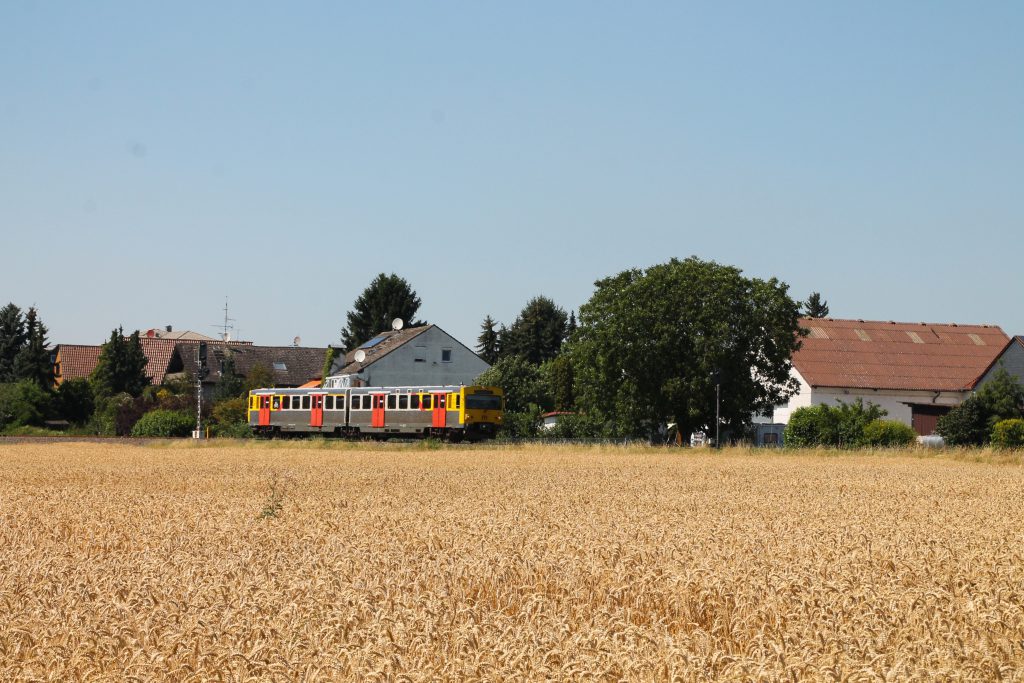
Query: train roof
<point x="369" y="390"/>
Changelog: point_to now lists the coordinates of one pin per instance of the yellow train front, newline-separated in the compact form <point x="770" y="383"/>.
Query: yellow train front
<point x="473" y="413"/>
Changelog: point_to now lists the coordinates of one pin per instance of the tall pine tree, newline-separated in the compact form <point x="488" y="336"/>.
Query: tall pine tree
<point x="537" y="334"/>
<point x="487" y="342"/>
<point x="815" y="307"/>
<point x="121" y="367"/>
<point x="386" y="298"/>
<point x="33" y="360"/>
<point x="12" y="339"/>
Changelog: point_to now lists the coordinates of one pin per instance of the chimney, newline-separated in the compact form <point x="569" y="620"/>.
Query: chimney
<point x="168" y="328"/>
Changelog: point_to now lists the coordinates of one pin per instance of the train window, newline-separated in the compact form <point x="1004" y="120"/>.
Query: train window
<point x="392" y="402"/>
<point x="403" y="402"/>
<point x="357" y="402"/>
<point x="427" y="401"/>
<point x="305" y="402"/>
<point x="339" y="402"/>
<point x="277" y="403"/>
<point x="328" y="403"/>
<point x="458" y="401"/>
<point x="414" y="401"/>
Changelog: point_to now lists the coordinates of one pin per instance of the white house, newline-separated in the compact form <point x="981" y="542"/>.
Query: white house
<point x="915" y="371"/>
<point x="416" y="356"/>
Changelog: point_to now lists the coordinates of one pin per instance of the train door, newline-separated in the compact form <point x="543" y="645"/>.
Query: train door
<point x="264" y="404"/>
<point x="377" y="419"/>
<point x="440" y="410"/>
<point x="316" y="411"/>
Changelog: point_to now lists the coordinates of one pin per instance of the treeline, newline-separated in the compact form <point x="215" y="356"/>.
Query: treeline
<point x="117" y="399"/>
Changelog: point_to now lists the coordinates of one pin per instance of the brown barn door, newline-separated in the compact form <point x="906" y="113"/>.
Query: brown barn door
<point x="264" y="420"/>
<point x="316" y="411"/>
<point x="924" y="418"/>
<point x="440" y="410"/>
<point x="377" y="419"/>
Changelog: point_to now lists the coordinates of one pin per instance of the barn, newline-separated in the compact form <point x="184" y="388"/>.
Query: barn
<point x="915" y="371"/>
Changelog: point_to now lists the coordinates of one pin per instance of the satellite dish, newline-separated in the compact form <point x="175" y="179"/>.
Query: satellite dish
<point x="360" y="356"/>
<point x="227" y="336"/>
<point x="397" y="324"/>
<point x="296" y="341"/>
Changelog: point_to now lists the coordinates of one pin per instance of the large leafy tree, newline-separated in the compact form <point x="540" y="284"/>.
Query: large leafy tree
<point x="521" y="381"/>
<point x="537" y="334"/>
<point x="121" y="367"/>
<point x="971" y="422"/>
<point x="33" y="360"/>
<point x="12" y="339"/>
<point x="652" y="342"/>
<point x="386" y="298"/>
<point x="816" y="307"/>
<point x="487" y="342"/>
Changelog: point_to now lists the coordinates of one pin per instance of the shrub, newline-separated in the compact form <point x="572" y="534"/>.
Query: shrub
<point x="574" y="426"/>
<point x="75" y="400"/>
<point x="164" y="423"/>
<point x="24" y="403"/>
<point x="520" y="425"/>
<point x="231" y="411"/>
<point x="965" y="425"/>
<point x="1008" y="434"/>
<point x="888" y="434"/>
<point x="232" y="430"/>
<point x="843" y="426"/>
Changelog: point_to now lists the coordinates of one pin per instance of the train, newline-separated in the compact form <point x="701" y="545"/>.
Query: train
<point x="452" y="413"/>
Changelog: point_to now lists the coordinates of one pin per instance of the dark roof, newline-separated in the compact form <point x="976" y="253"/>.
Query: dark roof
<point x="292" y="366"/>
<point x="385" y="343"/>
<point x="869" y="354"/>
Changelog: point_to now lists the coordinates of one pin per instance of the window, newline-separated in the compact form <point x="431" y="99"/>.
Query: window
<point x="339" y="403"/>
<point x="329" y="403"/>
<point x="403" y="402"/>
<point x="483" y="402"/>
<point x="278" y="365"/>
<point x="427" y="401"/>
<point x="392" y="402"/>
<point x="420" y="354"/>
<point x="357" y="402"/>
<point x="446" y="355"/>
<point x="305" y="402"/>
<point x="414" y="402"/>
<point x="277" y="403"/>
<point x="458" y="401"/>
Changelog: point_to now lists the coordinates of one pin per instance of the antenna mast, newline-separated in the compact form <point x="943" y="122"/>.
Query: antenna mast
<point x="227" y="327"/>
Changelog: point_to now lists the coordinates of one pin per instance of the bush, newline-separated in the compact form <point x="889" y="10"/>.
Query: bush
<point x="965" y="425"/>
<point x="575" y="426"/>
<point x="520" y="425"/>
<point x="164" y="423"/>
<point x="842" y="427"/>
<point x="232" y="430"/>
<point x="24" y="403"/>
<point x="231" y="411"/>
<point x="888" y="434"/>
<point x="75" y="400"/>
<point x="1008" y="434"/>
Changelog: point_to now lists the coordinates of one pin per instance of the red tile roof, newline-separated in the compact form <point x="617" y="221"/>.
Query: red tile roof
<point x="871" y="354"/>
<point x="77" y="360"/>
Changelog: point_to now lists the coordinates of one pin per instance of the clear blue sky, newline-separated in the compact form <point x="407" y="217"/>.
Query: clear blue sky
<point x="155" y="157"/>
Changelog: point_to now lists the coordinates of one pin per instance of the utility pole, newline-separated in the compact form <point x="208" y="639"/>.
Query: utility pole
<point x="201" y="371"/>
<point x="716" y="376"/>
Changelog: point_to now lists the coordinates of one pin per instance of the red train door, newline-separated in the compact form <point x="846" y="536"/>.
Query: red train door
<point x="316" y="411"/>
<point x="440" y="410"/>
<point x="377" y="419"/>
<point x="264" y="420"/>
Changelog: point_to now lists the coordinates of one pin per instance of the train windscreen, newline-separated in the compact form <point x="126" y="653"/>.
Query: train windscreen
<point x="483" y="402"/>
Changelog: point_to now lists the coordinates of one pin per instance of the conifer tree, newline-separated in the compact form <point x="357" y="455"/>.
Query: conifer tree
<point x="815" y="306"/>
<point x="121" y="367"/>
<point x="12" y="339"/>
<point x="537" y="333"/>
<point x="386" y="298"/>
<point x="487" y="342"/>
<point x="33" y="360"/>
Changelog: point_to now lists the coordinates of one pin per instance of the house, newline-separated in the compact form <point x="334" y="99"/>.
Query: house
<point x="179" y="335"/>
<point x="77" y="361"/>
<point x="291" y="366"/>
<point x="1011" y="359"/>
<point x="417" y="356"/>
<point x="915" y="371"/>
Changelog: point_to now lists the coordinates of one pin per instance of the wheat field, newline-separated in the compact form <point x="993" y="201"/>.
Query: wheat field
<point x="262" y="562"/>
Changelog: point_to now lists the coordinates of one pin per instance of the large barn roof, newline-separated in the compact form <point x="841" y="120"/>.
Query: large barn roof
<point x="871" y="354"/>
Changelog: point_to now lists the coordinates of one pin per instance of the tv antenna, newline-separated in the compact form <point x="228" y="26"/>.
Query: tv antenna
<point x="226" y="328"/>
<point x="297" y="341"/>
<point x="397" y="324"/>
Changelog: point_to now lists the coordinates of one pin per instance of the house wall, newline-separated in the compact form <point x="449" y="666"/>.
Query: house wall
<point x="1012" y="360"/>
<point x="895" y="402"/>
<point x="401" y="367"/>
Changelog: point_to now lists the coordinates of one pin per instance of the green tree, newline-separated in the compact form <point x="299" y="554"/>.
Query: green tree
<point x="329" y="357"/>
<point x="964" y="425"/>
<point x="12" y="339"/>
<point x="537" y="333"/>
<point x="259" y="377"/>
<point x="386" y="298"/>
<point x="75" y="400"/>
<point x="650" y="340"/>
<point x="558" y="376"/>
<point x="33" y="360"/>
<point x="520" y="380"/>
<point x="231" y="384"/>
<point x="121" y="367"/>
<point x="24" y="403"/>
<point x="570" y="328"/>
<point x="971" y="422"/>
<point x="815" y="306"/>
<point x="487" y="342"/>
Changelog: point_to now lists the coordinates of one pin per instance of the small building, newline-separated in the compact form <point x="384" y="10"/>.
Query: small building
<point x="417" y="356"/>
<point x="915" y="371"/>
<point x="290" y="366"/>
<point x="77" y="361"/>
<point x="1011" y="359"/>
